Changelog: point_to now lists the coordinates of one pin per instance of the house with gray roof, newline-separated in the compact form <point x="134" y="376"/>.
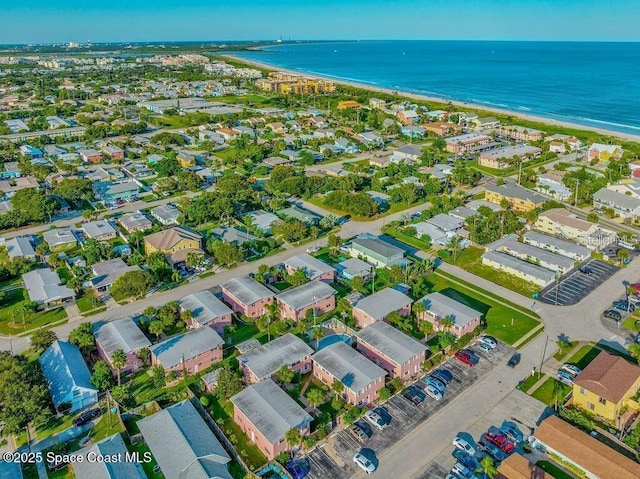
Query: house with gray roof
<point x="266" y="413"/>
<point x="112" y="446"/>
<point x="233" y="235"/>
<point x="45" y="288"/>
<point x="135" y="222"/>
<point x="68" y="377"/>
<point x="301" y="214"/>
<point x="124" y="335"/>
<point x="166" y="214"/>
<point x="246" y="296"/>
<point x="531" y="254"/>
<point x="555" y="245"/>
<point x="192" y="351"/>
<point x="437" y="307"/>
<point x="206" y="310"/>
<point x="183" y="445"/>
<point x="19" y="247"/>
<point x="262" y="220"/>
<point x="378" y="306"/>
<point x="313" y="268"/>
<point x="376" y="251"/>
<point x="362" y="378"/>
<point x="446" y="223"/>
<point x="100" y="230"/>
<point x="314" y="296"/>
<point x="107" y="272"/>
<point x="264" y="361"/>
<point x="352" y="267"/>
<point x="60" y="239"/>
<point x="626" y="206"/>
<point x="434" y="234"/>
<point x="397" y="353"/>
<point x="462" y="213"/>
<point x="519" y="268"/>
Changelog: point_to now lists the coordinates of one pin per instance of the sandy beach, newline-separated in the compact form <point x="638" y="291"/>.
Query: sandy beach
<point x="414" y="96"/>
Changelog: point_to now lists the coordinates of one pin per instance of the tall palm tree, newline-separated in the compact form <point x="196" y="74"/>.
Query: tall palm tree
<point x="293" y="437"/>
<point x="488" y="467"/>
<point x="447" y="322"/>
<point x="558" y="393"/>
<point x="317" y="334"/>
<point x="118" y="360"/>
<point x="634" y="351"/>
<point x="418" y="310"/>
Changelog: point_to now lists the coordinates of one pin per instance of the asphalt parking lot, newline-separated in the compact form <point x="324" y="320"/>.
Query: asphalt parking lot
<point x="575" y="286"/>
<point x="334" y="458"/>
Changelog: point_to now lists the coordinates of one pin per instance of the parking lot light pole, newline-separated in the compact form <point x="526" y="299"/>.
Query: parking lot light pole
<point x="544" y="352"/>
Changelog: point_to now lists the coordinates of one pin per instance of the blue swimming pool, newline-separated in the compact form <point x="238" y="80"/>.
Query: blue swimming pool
<point x="332" y="339"/>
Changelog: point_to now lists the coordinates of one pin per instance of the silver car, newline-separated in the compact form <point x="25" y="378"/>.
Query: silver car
<point x="571" y="369"/>
<point x="365" y="464"/>
<point x="488" y="340"/>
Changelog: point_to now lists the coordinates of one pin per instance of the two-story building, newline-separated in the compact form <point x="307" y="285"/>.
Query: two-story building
<point x="376" y="251"/>
<point x="565" y="224"/>
<point x="625" y="206"/>
<point x="314" y="296"/>
<point x="124" y="335"/>
<point x="192" y="351"/>
<point x="314" y="269"/>
<point x="378" y="306"/>
<point x="520" y="199"/>
<point x="206" y="310"/>
<point x="176" y="243"/>
<point x="437" y="307"/>
<point x="246" y="296"/>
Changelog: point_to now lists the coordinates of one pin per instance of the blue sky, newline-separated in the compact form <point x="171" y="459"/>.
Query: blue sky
<point x="38" y="21"/>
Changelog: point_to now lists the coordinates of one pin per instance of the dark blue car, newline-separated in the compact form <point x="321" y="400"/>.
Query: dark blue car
<point x="298" y="469"/>
<point x="442" y="375"/>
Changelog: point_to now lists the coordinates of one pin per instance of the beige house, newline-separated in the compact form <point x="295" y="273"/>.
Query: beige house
<point x="564" y="224"/>
<point x="176" y="243"/>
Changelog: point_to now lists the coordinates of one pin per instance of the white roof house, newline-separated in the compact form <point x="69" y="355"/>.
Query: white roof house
<point x="45" y="288"/>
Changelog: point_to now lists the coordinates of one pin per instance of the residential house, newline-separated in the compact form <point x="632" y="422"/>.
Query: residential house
<point x="264" y="361"/>
<point x="593" y="459"/>
<point x="206" y="310"/>
<point x="462" y="213"/>
<point x="262" y="220"/>
<point x="520" y="199"/>
<point x="517" y="466"/>
<point x="114" y="152"/>
<point x="301" y="214"/>
<point x="565" y="224"/>
<point x="431" y="233"/>
<point x="183" y="444"/>
<point x="107" y="272"/>
<point x="166" y="214"/>
<point x="380" y="161"/>
<point x="90" y="155"/>
<point x="210" y="380"/>
<point x="462" y="143"/>
<point x="625" y="206"/>
<point x="192" y="351"/>
<point x="407" y="153"/>
<point x="520" y="133"/>
<point x="395" y="352"/>
<point x="246" y="296"/>
<point x="381" y="199"/>
<point x="111" y="447"/>
<point x="9" y="170"/>
<point x="233" y="235"/>
<point x="100" y="230"/>
<point x="176" y="243"/>
<point x="377" y="104"/>
<point x="558" y="246"/>
<point x="68" y="377"/>
<point x="60" y="239"/>
<point x="551" y="184"/>
<point x="45" y="288"/>
<point x="485" y="123"/>
<point x="19" y="247"/>
<point x="531" y="254"/>
<point x="376" y="251"/>
<point x="607" y="386"/>
<point x="132" y="222"/>
<point x="378" y="306"/>
<point x="408" y="117"/>
<point x="520" y="268"/>
<point x="503" y="157"/>
<point x="313" y="268"/>
<point x="437" y="307"/>
<point x="442" y="128"/>
<point x="124" y="335"/>
<point x="604" y="153"/>
<point x="276" y="127"/>
<point x="314" y="296"/>
<point x="110" y="192"/>
<point x="362" y="378"/>
<point x="186" y="160"/>
<point x="413" y="131"/>
<point x="265" y="413"/>
<point x="354" y="267"/>
<point x="371" y="139"/>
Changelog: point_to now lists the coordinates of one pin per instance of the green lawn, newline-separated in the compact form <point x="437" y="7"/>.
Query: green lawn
<point x="545" y="392"/>
<point x="241" y="99"/>
<point x="102" y="429"/>
<point x="631" y="324"/>
<point x="408" y="239"/>
<point x="14" y="299"/>
<point x="141" y="448"/>
<point x="584" y="356"/>
<point x="281" y="285"/>
<point x="84" y="304"/>
<point x="503" y="322"/>
<point x="553" y="470"/>
<point x="560" y="355"/>
<point x="527" y="383"/>
<point x="471" y="260"/>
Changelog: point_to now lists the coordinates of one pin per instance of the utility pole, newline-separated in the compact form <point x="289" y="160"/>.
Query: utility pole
<point x="577" y="185"/>
<point x="557" y="286"/>
<point x="544" y="352"/>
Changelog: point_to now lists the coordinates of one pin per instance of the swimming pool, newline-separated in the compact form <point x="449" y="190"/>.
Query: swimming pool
<point x="332" y="339"/>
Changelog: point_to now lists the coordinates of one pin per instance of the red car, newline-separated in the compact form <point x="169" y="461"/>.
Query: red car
<point x="464" y="358"/>
<point x="499" y="440"/>
<point x="636" y="286"/>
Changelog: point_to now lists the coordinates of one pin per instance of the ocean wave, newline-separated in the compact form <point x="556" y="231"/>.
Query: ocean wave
<point x="621" y="125"/>
<point x="485" y="102"/>
<point x="523" y="108"/>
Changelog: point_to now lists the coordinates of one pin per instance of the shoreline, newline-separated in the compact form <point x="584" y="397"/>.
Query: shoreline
<point x="416" y="96"/>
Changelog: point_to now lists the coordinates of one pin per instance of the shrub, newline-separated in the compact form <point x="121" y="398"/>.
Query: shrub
<point x="204" y="400"/>
<point x="384" y="394"/>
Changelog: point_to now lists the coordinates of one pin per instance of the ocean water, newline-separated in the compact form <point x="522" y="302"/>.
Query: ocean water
<point x="593" y="84"/>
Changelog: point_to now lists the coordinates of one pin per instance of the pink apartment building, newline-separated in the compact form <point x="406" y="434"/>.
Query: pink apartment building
<point x="246" y="296"/>
<point x="379" y="305"/>
<point x="206" y="310"/>
<point x="122" y="334"/>
<point x="315" y="295"/>
<point x="264" y="362"/>
<point x="395" y="352"/>
<point x="192" y="351"/>
<point x="265" y="413"/>
<point x="438" y="306"/>
<point x="462" y="143"/>
<point x="362" y="379"/>
<point x="314" y="269"/>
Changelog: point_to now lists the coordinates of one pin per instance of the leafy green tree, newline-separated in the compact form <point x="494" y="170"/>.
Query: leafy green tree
<point x="488" y="467"/>
<point x="293" y="437"/>
<point x="156" y="328"/>
<point x="357" y="283"/>
<point x="74" y="189"/>
<point x="226" y="254"/>
<point x="634" y="351"/>
<point x="122" y="395"/>
<point x="338" y="387"/>
<point x="82" y="336"/>
<point x="298" y="278"/>
<point x="118" y="360"/>
<point x="159" y="377"/>
<point x="229" y="382"/>
<point x="42" y="339"/>
<point x="131" y="284"/>
<point x="102" y="377"/>
<point x="317" y="333"/>
<point x="291" y="230"/>
<point x="144" y="355"/>
<point x="315" y="397"/>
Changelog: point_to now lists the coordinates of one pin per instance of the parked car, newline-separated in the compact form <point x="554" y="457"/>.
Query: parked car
<point x="433" y="393"/>
<point x="298" y="469"/>
<point x="571" y="369"/>
<point x="375" y="419"/>
<point x="462" y="443"/>
<point x="461" y="456"/>
<point x="636" y="286"/>
<point x="585" y="270"/>
<point x="513" y="434"/>
<point x="365" y="464"/>
<point x="359" y="432"/>
<point x="435" y="383"/>
<point x="488" y="340"/>
<point x="635" y="299"/>
<point x="495" y="436"/>
<point x="462" y="471"/>
<point x="565" y="378"/>
<point x="313" y="249"/>
<point x="464" y="358"/>
<point x="414" y="394"/>
<point x="473" y="357"/>
<point x="86" y="416"/>
<point x="485" y="347"/>
<point x="442" y="375"/>
<point x="612" y="314"/>
<point x="494" y="451"/>
<point x="514" y="360"/>
<point x="624" y="305"/>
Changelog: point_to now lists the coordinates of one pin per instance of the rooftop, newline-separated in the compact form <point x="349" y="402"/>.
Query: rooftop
<point x="441" y="306"/>
<point x="312" y="267"/>
<point x="265" y="360"/>
<point x="527" y="268"/>
<point x="59" y="236"/>
<point x="391" y="342"/>
<point x="107" y="272"/>
<point x="554" y="242"/>
<point x="166" y="239"/>
<point x="566" y="217"/>
<point x="121" y="334"/>
<point x="511" y="190"/>
<point x="537" y="253"/>
<point x="378" y="246"/>
<point x="110" y="447"/>
<point x="204" y="306"/>
<point x="608" y="376"/>
<point x="272" y="411"/>
<point x="44" y="286"/>
<point x="517" y="466"/>
<point x="183" y="347"/>
<point x="94" y="229"/>
<point x="135" y="220"/>
<point x="306" y="295"/>
<point x="247" y="290"/>
<point x="380" y="304"/>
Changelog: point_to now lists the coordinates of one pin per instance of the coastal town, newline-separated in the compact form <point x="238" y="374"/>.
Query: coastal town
<point x="213" y="269"/>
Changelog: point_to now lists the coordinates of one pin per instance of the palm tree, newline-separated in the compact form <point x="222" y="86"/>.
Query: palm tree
<point x="338" y="387"/>
<point x="487" y="467"/>
<point x="558" y="393"/>
<point x="118" y="360"/>
<point x="186" y="315"/>
<point x="447" y="322"/>
<point x="316" y="334"/>
<point x="418" y="310"/>
<point x="156" y="328"/>
<point x="455" y="244"/>
<point x="315" y="397"/>
<point x="293" y="437"/>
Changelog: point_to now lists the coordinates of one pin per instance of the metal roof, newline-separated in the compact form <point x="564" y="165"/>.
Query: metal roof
<point x="247" y="290"/>
<point x="441" y="306"/>
<point x="264" y="361"/>
<point x="306" y="295"/>
<point x="173" y="351"/>
<point x="391" y="342"/>
<point x="94" y="229"/>
<point x="110" y="447"/>
<point x="312" y="267"/>
<point x="44" y="286"/>
<point x="121" y="334"/>
<point x="204" y="306"/>
<point x="380" y="304"/>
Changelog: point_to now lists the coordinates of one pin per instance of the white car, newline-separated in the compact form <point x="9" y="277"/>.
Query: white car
<point x="313" y="249"/>
<point x="375" y="419"/>
<point x="489" y="341"/>
<point x="463" y="444"/>
<point x="365" y="464"/>
<point x="462" y="471"/>
<point x="571" y="369"/>
<point x="433" y="393"/>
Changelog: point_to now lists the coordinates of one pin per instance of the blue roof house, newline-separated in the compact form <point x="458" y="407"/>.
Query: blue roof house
<point x="67" y="376"/>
